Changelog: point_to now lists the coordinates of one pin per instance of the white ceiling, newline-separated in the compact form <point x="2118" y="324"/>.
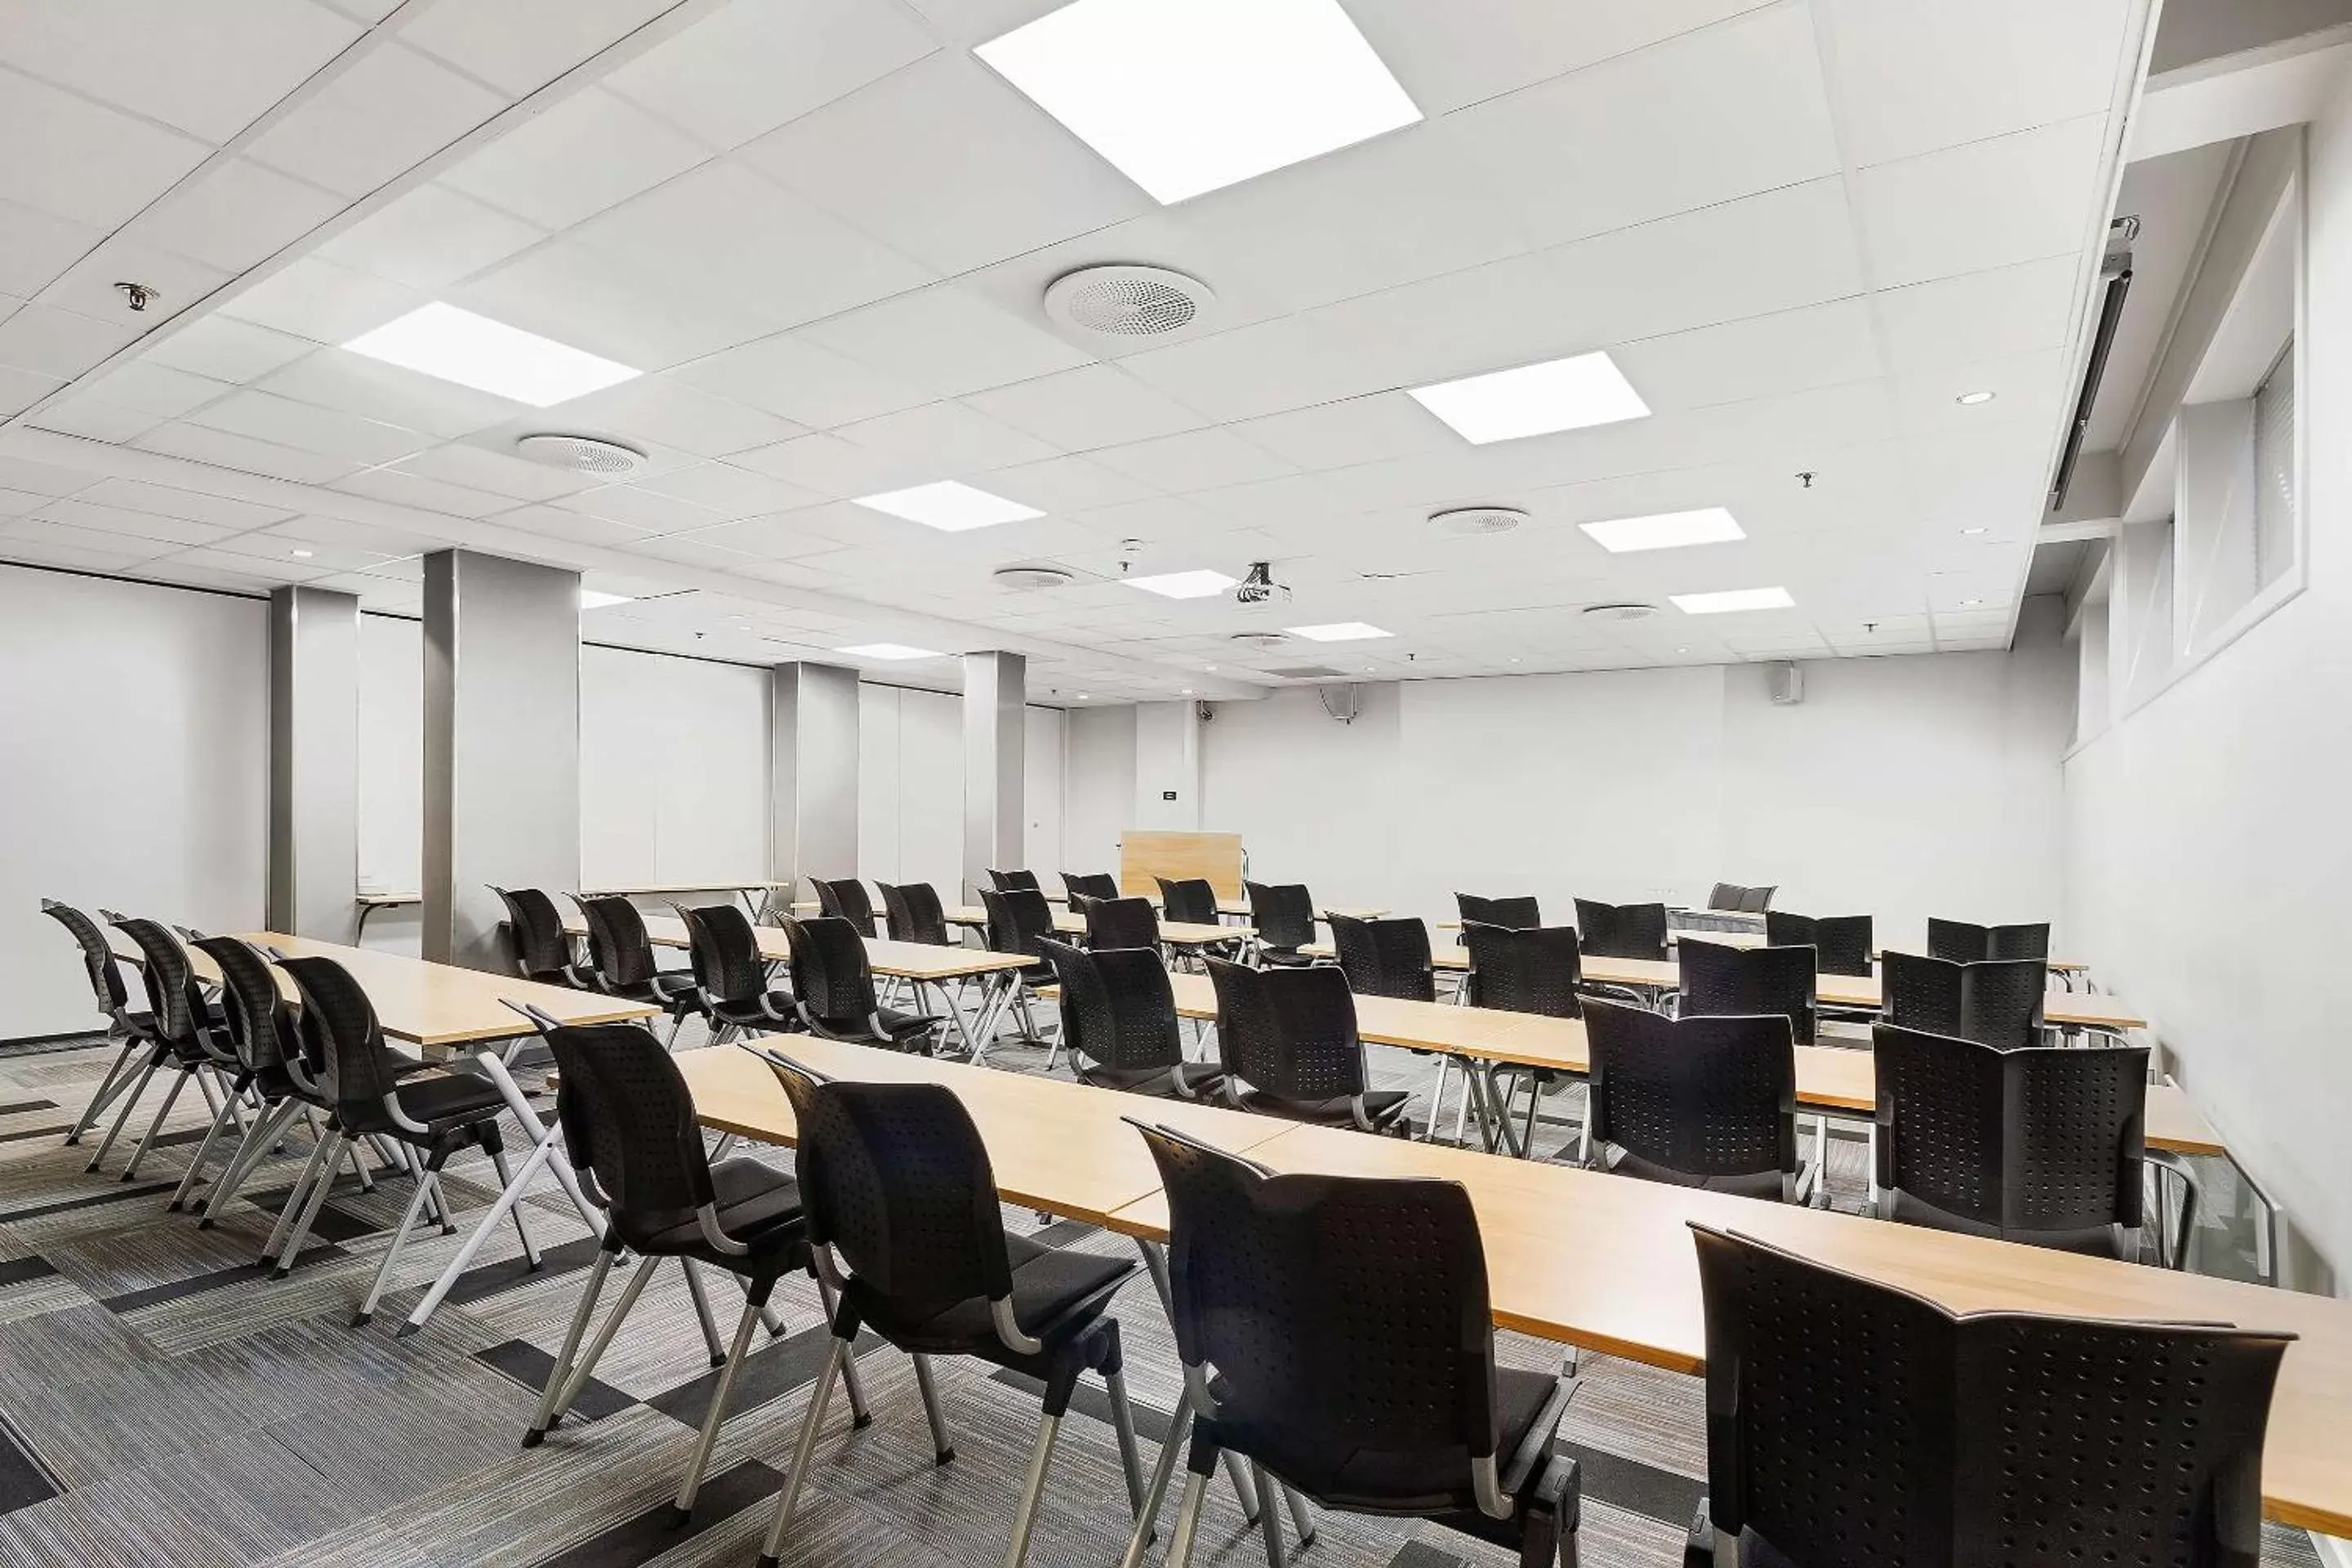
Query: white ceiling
<point x="1802" y="228"/>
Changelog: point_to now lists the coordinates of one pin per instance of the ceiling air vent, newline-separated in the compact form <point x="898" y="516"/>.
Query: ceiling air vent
<point x="1029" y="579"/>
<point x="1470" y="521"/>
<point x="1127" y="301"/>
<point x="582" y="455"/>
<point x="1260" y="639"/>
<point x="1308" y="672"/>
<point x="1620" y="612"/>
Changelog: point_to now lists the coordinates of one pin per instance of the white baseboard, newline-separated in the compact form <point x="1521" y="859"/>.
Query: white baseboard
<point x="2333" y="1552"/>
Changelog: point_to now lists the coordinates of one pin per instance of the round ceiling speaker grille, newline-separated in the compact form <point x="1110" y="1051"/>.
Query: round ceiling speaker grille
<point x="1032" y="578"/>
<point x="582" y="455"/>
<point x="1620" y="612"/>
<point x="1469" y="521"/>
<point x="1260" y="639"/>
<point x="1127" y="301"/>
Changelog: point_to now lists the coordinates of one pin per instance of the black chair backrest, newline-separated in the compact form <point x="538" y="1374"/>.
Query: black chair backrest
<point x="172" y="992"/>
<point x="1842" y="944"/>
<point x="1537" y="970"/>
<point x="896" y="1178"/>
<point x="1290" y="1032"/>
<point x="96" y="957"/>
<point x="725" y="952"/>
<point x="915" y="913"/>
<point x="1995" y="1002"/>
<point x="831" y="974"/>
<point x="260" y="1024"/>
<point x="1188" y="900"/>
<point x="356" y="1069"/>
<point x="1098" y="885"/>
<point x="628" y="1117"/>
<point x="535" y="932"/>
<point x="1019" y="919"/>
<point x="1621" y="930"/>
<point x="1007" y="881"/>
<point x="844" y="898"/>
<point x="1852" y="1422"/>
<point x="1724" y="896"/>
<point x="2032" y="1138"/>
<point x="1513" y="914"/>
<point x="1699" y="1098"/>
<point x="1757" y="900"/>
<point x="1385" y="957"/>
<point x="618" y="947"/>
<point x="1722" y="981"/>
<point x="1283" y="914"/>
<point x="1958" y="941"/>
<point x="1352" y="1309"/>
<point x="1119" y="922"/>
<point x="1118" y="1006"/>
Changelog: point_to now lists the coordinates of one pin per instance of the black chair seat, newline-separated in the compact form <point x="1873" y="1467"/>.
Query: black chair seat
<point x="677" y="991"/>
<point x="1769" y="1185"/>
<point x="1057" y="1292"/>
<point x="450" y="1100"/>
<point x="754" y="1011"/>
<point x="1383" y="1106"/>
<point x="1196" y="1080"/>
<point x="1528" y="1406"/>
<point x="758" y="1206"/>
<point x="1287" y="957"/>
<point x="2095" y="1240"/>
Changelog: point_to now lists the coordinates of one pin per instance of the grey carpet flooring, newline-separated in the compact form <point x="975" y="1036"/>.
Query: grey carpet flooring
<point x="161" y="1402"/>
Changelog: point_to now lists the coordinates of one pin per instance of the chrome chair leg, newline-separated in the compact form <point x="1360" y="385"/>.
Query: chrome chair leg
<point x="266" y="1132"/>
<point x="1024" y="1518"/>
<point x="1268" y="1515"/>
<point x="1171" y="1451"/>
<point x="852" y="1383"/>
<point x="428" y="1176"/>
<point x="118" y="1078"/>
<point x="544" y="1416"/>
<point x="1300" y="1519"/>
<point x="1122" y="1424"/>
<point x="319" y="1187"/>
<point x="1188" y="1519"/>
<point x="1437" y="1097"/>
<point x="942" y="1446"/>
<point x="179" y="1083"/>
<point x="203" y="1152"/>
<point x="803" y="1451"/>
<point x="1244" y="1487"/>
<point x="130" y="1101"/>
<point x="683" y="1508"/>
<point x="295" y="1197"/>
<point x="604" y="1340"/>
<point x="530" y="1248"/>
<point x="702" y="1312"/>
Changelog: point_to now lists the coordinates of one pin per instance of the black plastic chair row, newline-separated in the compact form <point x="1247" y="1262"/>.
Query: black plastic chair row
<point x="1287" y="1040"/>
<point x="1623" y="931"/>
<point x="1998" y="1002"/>
<point x="621" y="956"/>
<point x="134" y="1029"/>
<point x="1511" y="914"/>
<point x="1731" y="898"/>
<point x="1719" y="979"/>
<point x="1958" y="941"/>
<point x="1697" y="1102"/>
<point x="1117" y="922"/>
<point x="1842" y="944"/>
<point x="1283" y="915"/>
<point x="1089" y="885"/>
<point x="1118" y="1018"/>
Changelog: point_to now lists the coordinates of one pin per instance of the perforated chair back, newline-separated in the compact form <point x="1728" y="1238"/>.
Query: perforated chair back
<point x="1703" y="1101"/>
<point x="1995" y="1002"/>
<point x="1385" y="957"/>
<point x="1621" y="930"/>
<point x="1019" y="921"/>
<point x="1719" y="981"/>
<point x="96" y="957"/>
<point x="1346" y="1318"/>
<point x="1290" y="1032"/>
<point x="1724" y="896"/>
<point x="896" y="1178"/>
<point x="915" y="915"/>
<point x="2033" y="1142"/>
<point x="1119" y="922"/>
<point x="1008" y="881"/>
<point x="1537" y="970"/>
<point x="1757" y="900"/>
<point x="535" y="935"/>
<point x="725" y="952"/>
<point x="831" y="974"/>
<point x="2019" y="942"/>
<point x="1512" y="914"/>
<point x="174" y="995"/>
<point x="1958" y="941"/>
<point x="356" y="1069"/>
<point x="1850" y="1423"/>
<point x="260" y="1024"/>
<point x="1283" y="914"/>
<point x="1190" y="900"/>
<point x="1118" y="1006"/>
<point x="618" y="947"/>
<point x="844" y="898"/>
<point x="628" y="1118"/>
<point x="1842" y="944"/>
<point x="1098" y="885"/>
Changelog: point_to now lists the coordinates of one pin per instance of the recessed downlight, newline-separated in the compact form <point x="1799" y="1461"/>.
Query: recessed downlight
<point x="1971" y="399"/>
<point x="301" y="554"/>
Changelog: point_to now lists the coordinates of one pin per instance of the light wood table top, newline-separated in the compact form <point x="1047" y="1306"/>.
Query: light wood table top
<point x="1177" y="933"/>
<point x="1607" y="1263"/>
<point x="905" y="960"/>
<point x="1751" y="939"/>
<point x="388" y="900"/>
<point x="657" y="890"/>
<point x="440" y="1004"/>
<point x="1054" y="1145"/>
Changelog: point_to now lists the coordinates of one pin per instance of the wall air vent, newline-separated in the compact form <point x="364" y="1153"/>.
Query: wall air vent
<point x="1030" y="579"/>
<point x="1127" y="301"/>
<point x="1620" y="612"/>
<point x="580" y="454"/>
<point x="1309" y="672"/>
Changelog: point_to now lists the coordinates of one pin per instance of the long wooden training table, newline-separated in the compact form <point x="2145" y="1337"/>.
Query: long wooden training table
<point x="1175" y="933"/>
<point x="1578" y="1257"/>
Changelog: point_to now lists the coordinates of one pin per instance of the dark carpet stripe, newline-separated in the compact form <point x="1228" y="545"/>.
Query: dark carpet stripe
<point x="1421" y="1555"/>
<point x="638" y="1541"/>
<point x="132" y="1300"/>
<point x="780" y="1368"/>
<point x="489" y="1279"/>
<point x="25" y="1269"/>
<point x="1090" y="1398"/>
<point x="92" y="1200"/>
<point x="24" y="1133"/>
<point x="1636" y="1487"/>
<point x="18" y="1108"/>
<point x="25" y="1479"/>
<point x="528" y="1366"/>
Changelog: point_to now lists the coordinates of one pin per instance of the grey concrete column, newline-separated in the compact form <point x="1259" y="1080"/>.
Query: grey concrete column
<point x="813" y="773"/>
<point x="995" y="757"/>
<point x="314" y="722"/>
<point x="501" y="744"/>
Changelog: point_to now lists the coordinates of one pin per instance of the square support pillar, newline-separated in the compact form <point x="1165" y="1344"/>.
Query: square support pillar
<point x="501" y="744"/>
<point x="812" y="769"/>
<point x="995" y="758"/>
<point x="314" y="711"/>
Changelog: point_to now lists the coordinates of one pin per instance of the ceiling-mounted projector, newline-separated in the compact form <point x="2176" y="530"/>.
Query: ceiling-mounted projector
<point x="1258" y="587"/>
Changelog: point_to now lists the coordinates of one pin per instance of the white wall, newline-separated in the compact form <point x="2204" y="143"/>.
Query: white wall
<point x="134" y="766"/>
<point x="1041" y="791"/>
<point x="1100" y="786"/>
<point x="673" y="769"/>
<point x="2208" y="846"/>
<point x="1899" y="787"/>
<point x="910" y="788"/>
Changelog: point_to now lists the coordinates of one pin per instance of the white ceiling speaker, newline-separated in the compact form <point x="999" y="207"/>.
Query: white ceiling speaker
<point x="582" y="455"/>
<point x="1471" y="521"/>
<point x="1260" y="639"/>
<point x="1030" y="579"/>
<point x="1127" y="301"/>
<point x="1620" y="612"/>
